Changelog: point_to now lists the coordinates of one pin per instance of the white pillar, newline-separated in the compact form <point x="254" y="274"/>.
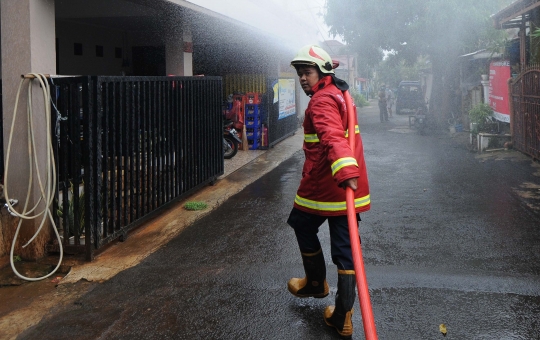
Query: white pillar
<point x="485" y="85"/>
<point x="188" y="51"/>
<point x="174" y="56"/>
<point x="179" y="48"/>
<point x="28" y="45"/>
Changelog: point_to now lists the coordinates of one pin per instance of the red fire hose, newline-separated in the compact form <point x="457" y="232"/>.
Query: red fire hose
<point x="361" y="281"/>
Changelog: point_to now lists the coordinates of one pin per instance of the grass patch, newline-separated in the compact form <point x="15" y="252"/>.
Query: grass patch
<point x="195" y="205"/>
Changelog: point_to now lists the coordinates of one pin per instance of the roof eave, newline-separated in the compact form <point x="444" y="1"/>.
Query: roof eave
<point x="508" y="16"/>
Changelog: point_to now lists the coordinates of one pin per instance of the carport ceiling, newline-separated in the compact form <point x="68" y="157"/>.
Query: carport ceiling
<point x="117" y="14"/>
<point x="153" y="16"/>
<point x="209" y="29"/>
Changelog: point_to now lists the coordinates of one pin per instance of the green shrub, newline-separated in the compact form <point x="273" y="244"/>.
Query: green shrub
<point x="480" y="113"/>
<point x="358" y="98"/>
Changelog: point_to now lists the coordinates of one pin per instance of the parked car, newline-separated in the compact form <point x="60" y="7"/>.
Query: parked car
<point x="410" y="97"/>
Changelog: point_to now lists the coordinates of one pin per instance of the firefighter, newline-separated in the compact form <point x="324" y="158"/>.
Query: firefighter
<point x="329" y="168"/>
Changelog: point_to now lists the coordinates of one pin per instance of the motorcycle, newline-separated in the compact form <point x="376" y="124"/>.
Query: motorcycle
<point x="420" y="121"/>
<point x="231" y="139"/>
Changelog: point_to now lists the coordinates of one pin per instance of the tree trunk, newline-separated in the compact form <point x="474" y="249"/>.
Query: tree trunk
<point x="444" y="74"/>
<point x="435" y="101"/>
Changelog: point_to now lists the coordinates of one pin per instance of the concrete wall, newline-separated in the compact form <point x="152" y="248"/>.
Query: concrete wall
<point x="28" y="32"/>
<point x="178" y="62"/>
<point x="69" y="33"/>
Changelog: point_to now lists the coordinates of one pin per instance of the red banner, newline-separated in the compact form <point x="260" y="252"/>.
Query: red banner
<point x="499" y="73"/>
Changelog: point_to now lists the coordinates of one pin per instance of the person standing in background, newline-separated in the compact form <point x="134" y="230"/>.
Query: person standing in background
<point x="389" y="101"/>
<point x="383" y="110"/>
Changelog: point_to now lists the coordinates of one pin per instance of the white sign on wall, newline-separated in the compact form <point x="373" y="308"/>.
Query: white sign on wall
<point x="287" y="104"/>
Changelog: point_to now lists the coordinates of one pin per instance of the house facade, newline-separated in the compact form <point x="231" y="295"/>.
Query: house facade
<point x="523" y="86"/>
<point x="127" y="38"/>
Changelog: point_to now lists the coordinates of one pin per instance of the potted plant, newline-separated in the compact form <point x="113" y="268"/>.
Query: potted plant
<point x="479" y="116"/>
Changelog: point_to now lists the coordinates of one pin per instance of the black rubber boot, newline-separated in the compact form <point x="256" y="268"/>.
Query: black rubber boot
<point x="314" y="284"/>
<point x="340" y="315"/>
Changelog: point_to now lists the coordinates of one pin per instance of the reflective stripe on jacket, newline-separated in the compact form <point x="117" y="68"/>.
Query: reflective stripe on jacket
<point x="329" y="160"/>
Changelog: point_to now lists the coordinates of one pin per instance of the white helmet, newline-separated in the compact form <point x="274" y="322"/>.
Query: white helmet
<point x="313" y="55"/>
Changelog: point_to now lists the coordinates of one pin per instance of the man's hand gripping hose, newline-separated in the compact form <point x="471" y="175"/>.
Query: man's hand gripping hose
<point x="361" y="281"/>
<point x="47" y="186"/>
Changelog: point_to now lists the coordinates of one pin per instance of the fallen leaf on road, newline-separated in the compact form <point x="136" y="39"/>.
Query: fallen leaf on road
<point x="442" y="328"/>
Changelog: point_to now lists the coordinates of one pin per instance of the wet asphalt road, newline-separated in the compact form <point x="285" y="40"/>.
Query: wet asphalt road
<point x="452" y="238"/>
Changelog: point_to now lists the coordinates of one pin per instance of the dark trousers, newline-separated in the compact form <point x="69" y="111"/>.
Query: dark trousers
<point x="306" y="226"/>
<point x="383" y="111"/>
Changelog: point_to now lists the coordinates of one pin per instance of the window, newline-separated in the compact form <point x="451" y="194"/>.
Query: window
<point x="99" y="51"/>
<point x="118" y="52"/>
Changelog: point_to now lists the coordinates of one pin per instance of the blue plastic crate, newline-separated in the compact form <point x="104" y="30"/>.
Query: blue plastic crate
<point x="254" y="143"/>
<point x="252" y="110"/>
<point x="252" y="122"/>
<point x="253" y="132"/>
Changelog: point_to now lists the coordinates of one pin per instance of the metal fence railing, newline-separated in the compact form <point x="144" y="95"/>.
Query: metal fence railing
<point x="127" y="147"/>
<point x="525" y="106"/>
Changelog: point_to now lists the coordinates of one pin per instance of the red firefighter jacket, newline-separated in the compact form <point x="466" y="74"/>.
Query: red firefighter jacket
<point x="329" y="159"/>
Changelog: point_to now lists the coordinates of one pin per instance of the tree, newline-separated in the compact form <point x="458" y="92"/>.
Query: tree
<point x="392" y="70"/>
<point x="439" y="29"/>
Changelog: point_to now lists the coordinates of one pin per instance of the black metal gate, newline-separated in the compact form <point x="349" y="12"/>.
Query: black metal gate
<point x="525" y="106"/>
<point x="127" y="147"/>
